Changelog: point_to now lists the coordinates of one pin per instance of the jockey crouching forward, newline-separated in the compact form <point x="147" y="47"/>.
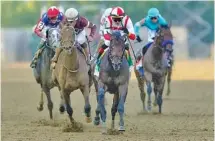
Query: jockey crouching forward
<point x="79" y="23"/>
<point x="51" y="18"/>
<point x="121" y="22"/>
<point x="151" y="22"/>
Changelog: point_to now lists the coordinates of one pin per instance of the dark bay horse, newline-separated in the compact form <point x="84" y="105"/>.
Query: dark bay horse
<point x="113" y="78"/>
<point x="42" y="71"/>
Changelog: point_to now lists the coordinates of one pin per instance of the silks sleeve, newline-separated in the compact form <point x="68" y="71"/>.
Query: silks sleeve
<point x="138" y="25"/>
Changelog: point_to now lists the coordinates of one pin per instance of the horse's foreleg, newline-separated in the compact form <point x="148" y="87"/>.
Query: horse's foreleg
<point x="101" y="97"/>
<point x="40" y="106"/>
<point x="156" y="93"/>
<point x="169" y="75"/>
<point x="50" y="103"/>
<point x="149" y="91"/>
<point x="87" y="107"/>
<point x="114" y="109"/>
<point x="142" y="92"/>
<point x="97" y="118"/>
<point x="160" y="87"/>
<point x="67" y="102"/>
<point x="123" y="89"/>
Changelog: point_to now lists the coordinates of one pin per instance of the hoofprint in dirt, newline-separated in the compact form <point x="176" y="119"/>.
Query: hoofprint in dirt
<point x="187" y="113"/>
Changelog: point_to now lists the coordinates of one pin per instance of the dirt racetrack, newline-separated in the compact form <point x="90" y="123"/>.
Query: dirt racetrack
<point x="187" y="113"/>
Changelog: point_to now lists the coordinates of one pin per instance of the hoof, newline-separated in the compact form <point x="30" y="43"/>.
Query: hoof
<point x="149" y="108"/>
<point x="121" y="128"/>
<point x="62" y="109"/>
<point x="88" y="119"/>
<point x="40" y="108"/>
<point x="96" y="121"/>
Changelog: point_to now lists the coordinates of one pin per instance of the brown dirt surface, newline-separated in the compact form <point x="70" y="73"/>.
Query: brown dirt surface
<point x="187" y="113"/>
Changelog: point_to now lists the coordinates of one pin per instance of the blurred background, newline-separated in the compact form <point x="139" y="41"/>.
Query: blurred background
<point x="192" y="26"/>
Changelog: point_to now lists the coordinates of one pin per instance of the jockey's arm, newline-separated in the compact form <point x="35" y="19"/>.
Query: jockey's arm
<point x="107" y="30"/>
<point x="130" y="28"/>
<point x="162" y="21"/>
<point x="102" y="22"/>
<point x="138" y="25"/>
<point x="39" y="28"/>
<point x="90" y="25"/>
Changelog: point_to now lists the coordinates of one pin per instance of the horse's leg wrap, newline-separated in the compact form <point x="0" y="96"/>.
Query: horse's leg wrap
<point x="101" y="95"/>
<point x="149" y="91"/>
<point x="87" y="110"/>
<point x="159" y="101"/>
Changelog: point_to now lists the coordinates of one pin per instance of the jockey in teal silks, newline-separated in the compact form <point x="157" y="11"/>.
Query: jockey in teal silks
<point x="151" y="22"/>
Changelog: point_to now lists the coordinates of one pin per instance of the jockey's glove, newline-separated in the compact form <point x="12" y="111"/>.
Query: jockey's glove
<point x="138" y="38"/>
<point x="125" y="30"/>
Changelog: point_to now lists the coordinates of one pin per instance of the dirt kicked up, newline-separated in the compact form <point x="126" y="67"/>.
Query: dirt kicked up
<point x="187" y="113"/>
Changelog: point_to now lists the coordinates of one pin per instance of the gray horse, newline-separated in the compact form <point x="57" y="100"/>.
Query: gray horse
<point x="113" y="78"/>
<point x="42" y="71"/>
<point x="155" y="65"/>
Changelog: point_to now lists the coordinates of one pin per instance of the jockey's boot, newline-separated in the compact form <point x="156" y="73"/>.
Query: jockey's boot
<point x="86" y="52"/>
<point x="101" y="51"/>
<point x="36" y="55"/>
<point x="55" y="58"/>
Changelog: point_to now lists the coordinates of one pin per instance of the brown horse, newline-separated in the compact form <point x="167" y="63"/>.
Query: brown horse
<point x="71" y="72"/>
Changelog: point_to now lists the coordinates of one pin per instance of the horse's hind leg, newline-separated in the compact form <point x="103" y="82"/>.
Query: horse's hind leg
<point x="140" y="81"/>
<point x="40" y="106"/>
<point x="87" y="107"/>
<point x="50" y="103"/>
<point x="114" y="109"/>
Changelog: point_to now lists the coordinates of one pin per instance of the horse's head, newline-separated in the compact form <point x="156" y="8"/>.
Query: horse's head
<point x="117" y="49"/>
<point x="53" y="37"/>
<point x="164" y="38"/>
<point x="68" y="38"/>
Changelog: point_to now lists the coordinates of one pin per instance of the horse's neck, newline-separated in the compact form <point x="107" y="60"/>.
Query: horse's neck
<point x="157" y="52"/>
<point x="71" y="60"/>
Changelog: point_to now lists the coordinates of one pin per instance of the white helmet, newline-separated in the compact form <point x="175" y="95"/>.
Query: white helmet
<point x="107" y="12"/>
<point x="71" y="14"/>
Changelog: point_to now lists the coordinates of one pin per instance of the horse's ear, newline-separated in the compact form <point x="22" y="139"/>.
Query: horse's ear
<point x="170" y="24"/>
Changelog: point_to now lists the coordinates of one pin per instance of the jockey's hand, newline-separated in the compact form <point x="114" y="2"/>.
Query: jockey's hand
<point x="90" y="38"/>
<point x="138" y="38"/>
<point x="125" y="30"/>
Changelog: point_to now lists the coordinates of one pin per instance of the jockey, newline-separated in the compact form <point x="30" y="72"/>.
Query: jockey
<point x="152" y="22"/>
<point x="117" y="21"/>
<point x="51" y="18"/>
<point x="79" y="23"/>
<point x="102" y="25"/>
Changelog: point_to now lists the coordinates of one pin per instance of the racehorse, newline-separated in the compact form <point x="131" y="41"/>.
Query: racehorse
<point x="71" y="72"/>
<point x="42" y="71"/>
<point x="113" y="78"/>
<point x="155" y="67"/>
